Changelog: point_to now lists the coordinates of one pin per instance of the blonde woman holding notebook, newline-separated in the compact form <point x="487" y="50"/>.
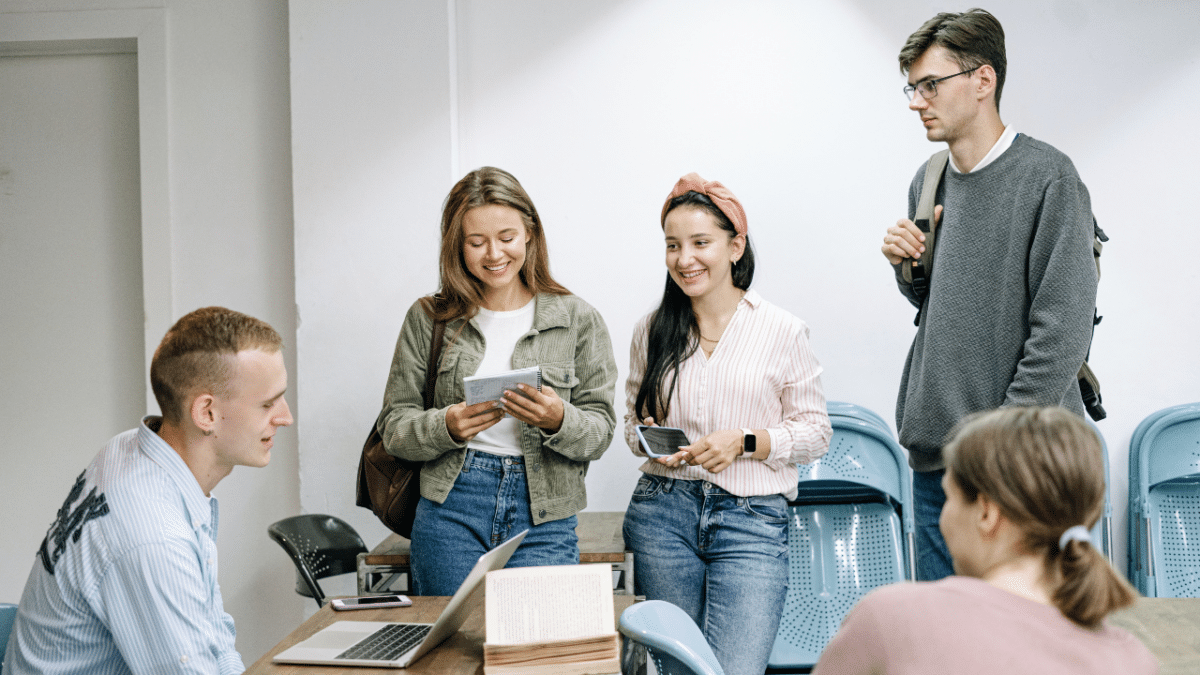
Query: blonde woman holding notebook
<point x="708" y="524"/>
<point x="496" y="468"/>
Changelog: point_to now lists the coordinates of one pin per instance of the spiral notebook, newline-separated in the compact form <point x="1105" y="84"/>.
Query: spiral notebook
<point x="481" y="388"/>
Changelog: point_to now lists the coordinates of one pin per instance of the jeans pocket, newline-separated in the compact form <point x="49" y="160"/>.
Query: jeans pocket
<point x="648" y="487"/>
<point x="770" y="508"/>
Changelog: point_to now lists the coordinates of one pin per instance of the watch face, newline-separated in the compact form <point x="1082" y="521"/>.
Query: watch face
<point x="749" y="444"/>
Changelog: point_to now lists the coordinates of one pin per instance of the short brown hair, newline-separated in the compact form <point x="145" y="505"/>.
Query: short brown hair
<point x="1044" y="469"/>
<point x="461" y="293"/>
<point x="973" y="38"/>
<point x="194" y="356"/>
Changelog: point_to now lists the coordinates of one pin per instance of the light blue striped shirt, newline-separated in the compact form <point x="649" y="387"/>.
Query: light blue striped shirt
<point x="126" y="579"/>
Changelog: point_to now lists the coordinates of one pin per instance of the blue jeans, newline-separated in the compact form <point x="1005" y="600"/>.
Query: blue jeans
<point x="723" y="559"/>
<point x="933" y="558"/>
<point x="488" y="505"/>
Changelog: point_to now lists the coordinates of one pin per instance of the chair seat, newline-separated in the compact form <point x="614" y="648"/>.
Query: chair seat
<point x="1174" y="511"/>
<point x="838" y="553"/>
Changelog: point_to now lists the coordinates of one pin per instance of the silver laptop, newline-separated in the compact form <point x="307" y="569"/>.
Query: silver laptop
<point x="397" y="645"/>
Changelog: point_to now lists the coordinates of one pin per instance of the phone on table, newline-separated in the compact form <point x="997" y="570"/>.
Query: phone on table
<point x="661" y="441"/>
<point x="370" y="602"/>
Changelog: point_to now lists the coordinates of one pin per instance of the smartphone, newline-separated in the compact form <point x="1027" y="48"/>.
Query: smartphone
<point x="661" y="441"/>
<point x="370" y="602"/>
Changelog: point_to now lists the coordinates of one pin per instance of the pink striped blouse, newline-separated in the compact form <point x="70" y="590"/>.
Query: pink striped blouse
<point x="762" y="375"/>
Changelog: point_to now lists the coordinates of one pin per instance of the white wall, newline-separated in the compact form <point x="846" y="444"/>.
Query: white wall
<point x="598" y="107"/>
<point x="230" y="226"/>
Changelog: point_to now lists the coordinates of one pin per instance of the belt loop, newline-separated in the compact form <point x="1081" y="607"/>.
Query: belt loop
<point x="467" y="460"/>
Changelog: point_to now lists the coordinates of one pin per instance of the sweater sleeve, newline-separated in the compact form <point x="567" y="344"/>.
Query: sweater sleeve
<point x="1062" y="295"/>
<point x="914" y="194"/>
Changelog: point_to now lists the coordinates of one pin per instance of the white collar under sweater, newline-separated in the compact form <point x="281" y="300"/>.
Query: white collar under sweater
<point x="1006" y="139"/>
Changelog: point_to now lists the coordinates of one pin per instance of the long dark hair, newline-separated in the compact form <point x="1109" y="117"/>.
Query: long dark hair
<point x="673" y="334"/>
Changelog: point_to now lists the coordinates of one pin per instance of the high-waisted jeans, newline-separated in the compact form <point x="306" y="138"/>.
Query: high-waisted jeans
<point x="488" y="505"/>
<point x="723" y="559"/>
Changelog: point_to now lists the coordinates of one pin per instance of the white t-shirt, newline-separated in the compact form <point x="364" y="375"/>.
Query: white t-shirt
<point x="501" y="331"/>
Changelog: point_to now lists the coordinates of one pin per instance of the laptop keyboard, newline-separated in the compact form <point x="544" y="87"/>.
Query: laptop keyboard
<point x="387" y="643"/>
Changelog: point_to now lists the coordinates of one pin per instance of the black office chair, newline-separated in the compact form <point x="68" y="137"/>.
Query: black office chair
<point x="320" y="546"/>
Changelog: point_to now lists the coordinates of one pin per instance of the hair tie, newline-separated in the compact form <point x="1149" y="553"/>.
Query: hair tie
<point x="720" y="195"/>
<point x="1077" y="533"/>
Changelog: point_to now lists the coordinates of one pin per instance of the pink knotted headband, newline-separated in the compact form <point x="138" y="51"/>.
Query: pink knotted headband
<point x="719" y="194"/>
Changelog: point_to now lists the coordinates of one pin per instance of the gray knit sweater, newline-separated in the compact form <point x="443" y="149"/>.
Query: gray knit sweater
<point x="1008" y="320"/>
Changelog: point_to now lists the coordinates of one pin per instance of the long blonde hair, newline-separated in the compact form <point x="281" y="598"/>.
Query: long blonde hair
<point x="461" y="293"/>
<point x="1044" y="469"/>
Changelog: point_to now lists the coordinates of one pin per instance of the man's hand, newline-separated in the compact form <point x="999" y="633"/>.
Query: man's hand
<point x="905" y="240"/>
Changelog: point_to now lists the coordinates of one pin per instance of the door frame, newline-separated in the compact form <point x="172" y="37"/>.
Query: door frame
<point x="140" y="31"/>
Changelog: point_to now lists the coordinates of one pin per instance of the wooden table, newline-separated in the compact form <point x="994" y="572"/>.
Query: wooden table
<point x="461" y="654"/>
<point x="1170" y="627"/>
<point x="600" y="541"/>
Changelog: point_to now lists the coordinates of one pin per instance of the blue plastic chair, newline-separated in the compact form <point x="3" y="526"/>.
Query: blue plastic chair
<point x="664" y="629"/>
<point x="845" y="409"/>
<point x="1102" y="533"/>
<point x="1164" y="504"/>
<point x="850" y="530"/>
<point x="8" y="614"/>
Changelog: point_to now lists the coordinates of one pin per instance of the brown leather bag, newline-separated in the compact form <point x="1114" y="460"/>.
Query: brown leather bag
<point x="390" y="486"/>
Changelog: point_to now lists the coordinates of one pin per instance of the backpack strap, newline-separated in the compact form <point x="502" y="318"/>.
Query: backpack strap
<point x="1089" y="385"/>
<point x="917" y="272"/>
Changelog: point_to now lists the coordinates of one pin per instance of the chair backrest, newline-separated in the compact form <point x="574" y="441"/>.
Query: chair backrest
<point x="672" y="639"/>
<point x="320" y="546"/>
<point x="1164" y="503"/>
<point x="845" y="409"/>
<point x="8" y="614"/>
<point x="850" y="530"/>
<point x="1102" y="531"/>
<point x="861" y="455"/>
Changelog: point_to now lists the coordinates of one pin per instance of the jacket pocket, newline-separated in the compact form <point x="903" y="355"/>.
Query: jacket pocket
<point x="561" y="377"/>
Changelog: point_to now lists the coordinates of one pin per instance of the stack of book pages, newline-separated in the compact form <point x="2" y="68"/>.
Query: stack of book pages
<point x="551" y="620"/>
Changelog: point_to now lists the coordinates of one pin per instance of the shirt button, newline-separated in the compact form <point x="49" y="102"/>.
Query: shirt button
<point x="542" y="513"/>
<point x="183" y="659"/>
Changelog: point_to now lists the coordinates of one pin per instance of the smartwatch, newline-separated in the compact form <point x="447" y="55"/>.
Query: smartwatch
<point x="749" y="442"/>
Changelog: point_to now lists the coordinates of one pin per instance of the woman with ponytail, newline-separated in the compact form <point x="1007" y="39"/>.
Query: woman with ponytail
<point x="1023" y="488"/>
<point x="708" y="524"/>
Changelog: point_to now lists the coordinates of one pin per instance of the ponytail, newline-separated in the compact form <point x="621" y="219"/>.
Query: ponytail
<point x="1090" y="588"/>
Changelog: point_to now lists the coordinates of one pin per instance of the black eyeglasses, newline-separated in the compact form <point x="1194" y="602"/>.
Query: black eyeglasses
<point x="928" y="88"/>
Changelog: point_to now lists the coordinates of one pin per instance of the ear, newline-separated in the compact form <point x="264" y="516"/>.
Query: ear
<point x="204" y="414"/>
<point x="989" y="517"/>
<point x="738" y="244"/>
<point x="986" y="88"/>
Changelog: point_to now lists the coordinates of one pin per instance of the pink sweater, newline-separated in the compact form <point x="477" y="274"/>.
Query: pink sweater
<point x="965" y="625"/>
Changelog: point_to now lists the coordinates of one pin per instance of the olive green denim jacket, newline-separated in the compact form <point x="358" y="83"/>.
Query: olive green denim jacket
<point x="570" y="342"/>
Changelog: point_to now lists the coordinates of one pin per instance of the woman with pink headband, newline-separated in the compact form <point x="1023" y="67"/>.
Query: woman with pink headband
<point x="707" y="524"/>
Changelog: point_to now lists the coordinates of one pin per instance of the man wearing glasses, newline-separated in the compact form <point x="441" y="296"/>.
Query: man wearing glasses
<point x="1007" y="318"/>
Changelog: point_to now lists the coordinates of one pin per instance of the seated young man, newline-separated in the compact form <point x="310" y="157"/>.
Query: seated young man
<point x="126" y="579"/>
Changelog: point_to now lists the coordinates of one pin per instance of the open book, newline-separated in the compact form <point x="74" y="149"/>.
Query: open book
<point x="556" y="619"/>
